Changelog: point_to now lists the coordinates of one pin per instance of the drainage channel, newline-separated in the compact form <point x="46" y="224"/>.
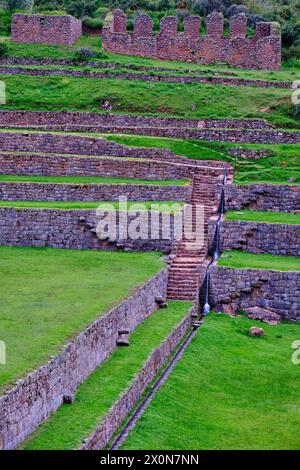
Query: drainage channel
<point x="216" y="254"/>
<point x="130" y="424"/>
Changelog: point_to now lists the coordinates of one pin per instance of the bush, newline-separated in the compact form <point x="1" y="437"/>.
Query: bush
<point x="291" y="53"/>
<point x="296" y="112"/>
<point x="93" y="23"/>
<point x="84" y="53"/>
<point x="3" y="49"/>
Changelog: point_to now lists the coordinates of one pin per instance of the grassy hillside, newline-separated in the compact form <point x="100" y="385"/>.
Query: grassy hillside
<point x="43" y="306"/>
<point x="230" y="391"/>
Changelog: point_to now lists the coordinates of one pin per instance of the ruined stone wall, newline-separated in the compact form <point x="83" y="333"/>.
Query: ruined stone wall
<point x="76" y="145"/>
<point x="260" y="52"/>
<point x="62" y="165"/>
<point x="45" y="29"/>
<point x="34" y="398"/>
<point x="257" y="237"/>
<point x="263" y="197"/>
<point x="232" y="290"/>
<point x="92" y="146"/>
<point x="122" y="407"/>
<point x="76" y="229"/>
<point x="69" y="119"/>
<point x="10" y="191"/>
<point x="151" y="78"/>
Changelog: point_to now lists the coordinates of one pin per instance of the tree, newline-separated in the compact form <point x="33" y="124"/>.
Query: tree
<point x="13" y="5"/>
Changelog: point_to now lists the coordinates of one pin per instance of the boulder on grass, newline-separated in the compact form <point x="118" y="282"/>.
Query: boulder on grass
<point x="261" y="314"/>
<point x="254" y="331"/>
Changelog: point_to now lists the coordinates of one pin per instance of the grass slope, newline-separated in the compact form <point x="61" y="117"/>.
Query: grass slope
<point x="283" y="165"/>
<point x="66" y="428"/>
<point x="47" y="296"/>
<point x="230" y="391"/>
<point x="243" y="260"/>
<point x="88" y="180"/>
<point x="267" y="217"/>
<point x="127" y="96"/>
<point x="161" y="206"/>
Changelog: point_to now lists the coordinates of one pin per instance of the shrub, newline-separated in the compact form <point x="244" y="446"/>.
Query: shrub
<point x="3" y="49"/>
<point x="84" y="53"/>
<point x="93" y="23"/>
<point x="296" y="112"/>
<point x="291" y="53"/>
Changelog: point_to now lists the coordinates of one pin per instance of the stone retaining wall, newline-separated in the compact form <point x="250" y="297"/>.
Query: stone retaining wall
<point x="118" y="413"/>
<point x="34" y="398"/>
<point x="92" y="192"/>
<point x="263" y="197"/>
<point x="251" y="154"/>
<point x="77" y="145"/>
<point x="100" y="64"/>
<point x="220" y="135"/>
<point x="260" y="52"/>
<point x="232" y="290"/>
<point x="61" y="165"/>
<point x="65" y="118"/>
<point x="45" y="29"/>
<point x="158" y="78"/>
<point x="257" y="237"/>
<point x="76" y="229"/>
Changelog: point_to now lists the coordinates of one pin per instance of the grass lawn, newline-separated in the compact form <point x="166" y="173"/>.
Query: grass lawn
<point x="88" y="180"/>
<point x="230" y="391"/>
<point x="268" y="217"/>
<point x="128" y="96"/>
<point x="66" y="428"/>
<point x="243" y="260"/>
<point x="47" y="296"/>
<point x="283" y="165"/>
<point x="161" y="206"/>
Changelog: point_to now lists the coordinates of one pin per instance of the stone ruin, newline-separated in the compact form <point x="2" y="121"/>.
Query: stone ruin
<point x="263" y="51"/>
<point x="45" y="29"/>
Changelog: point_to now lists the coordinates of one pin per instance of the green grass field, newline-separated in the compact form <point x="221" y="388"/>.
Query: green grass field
<point x="243" y="260"/>
<point x="161" y="206"/>
<point x="67" y="428"/>
<point x="127" y="96"/>
<point x="88" y="180"/>
<point x="47" y="296"/>
<point x="268" y="217"/>
<point x="230" y="391"/>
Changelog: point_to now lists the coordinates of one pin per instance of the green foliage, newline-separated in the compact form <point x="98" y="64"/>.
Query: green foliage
<point x="93" y="23"/>
<point x="84" y="54"/>
<point x="296" y="112"/>
<point x="3" y="49"/>
<point x="5" y="22"/>
<point x="14" y="5"/>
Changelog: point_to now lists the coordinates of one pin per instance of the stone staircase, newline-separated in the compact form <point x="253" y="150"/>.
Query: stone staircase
<point x="186" y="275"/>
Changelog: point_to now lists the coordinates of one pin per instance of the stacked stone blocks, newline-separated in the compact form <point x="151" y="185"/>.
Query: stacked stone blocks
<point x="45" y="29"/>
<point x="263" y="51"/>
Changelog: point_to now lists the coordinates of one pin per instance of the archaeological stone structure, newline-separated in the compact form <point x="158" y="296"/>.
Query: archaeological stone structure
<point x="263" y="51"/>
<point x="45" y="29"/>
